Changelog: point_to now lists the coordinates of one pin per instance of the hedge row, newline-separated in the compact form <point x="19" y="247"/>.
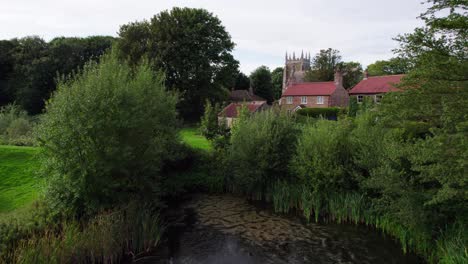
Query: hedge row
<point x="330" y="112"/>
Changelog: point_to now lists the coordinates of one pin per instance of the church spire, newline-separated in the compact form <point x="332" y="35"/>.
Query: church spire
<point x="302" y="54"/>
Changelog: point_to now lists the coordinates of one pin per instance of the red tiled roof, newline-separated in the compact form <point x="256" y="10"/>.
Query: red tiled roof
<point x="232" y="110"/>
<point x="310" y="88"/>
<point x="377" y="84"/>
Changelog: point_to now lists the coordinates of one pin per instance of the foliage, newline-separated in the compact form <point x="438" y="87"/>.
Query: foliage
<point x="242" y="82"/>
<point x="323" y="66"/>
<point x="323" y="157"/>
<point x="31" y="66"/>
<point x="15" y="126"/>
<point x="106" y="135"/>
<point x="260" y="152"/>
<point x="19" y="225"/>
<point x="192" y="47"/>
<point x="277" y="81"/>
<point x="124" y="234"/>
<point x="261" y="83"/>
<point x="19" y="184"/>
<point x="329" y="112"/>
<point x="211" y="127"/>
<point x="355" y="108"/>
<point x="352" y="72"/>
<point x="389" y="67"/>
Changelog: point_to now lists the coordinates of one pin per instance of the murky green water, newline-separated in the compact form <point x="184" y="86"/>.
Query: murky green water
<point x="228" y="229"/>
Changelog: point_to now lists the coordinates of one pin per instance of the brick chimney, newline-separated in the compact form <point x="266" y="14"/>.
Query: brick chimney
<point x="366" y="75"/>
<point x="338" y="78"/>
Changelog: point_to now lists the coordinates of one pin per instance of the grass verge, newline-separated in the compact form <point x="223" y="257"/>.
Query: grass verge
<point x="19" y="184"/>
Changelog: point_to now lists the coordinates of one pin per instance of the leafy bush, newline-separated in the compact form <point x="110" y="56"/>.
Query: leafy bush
<point x="210" y="126"/>
<point x="15" y="126"/>
<point x="260" y="151"/>
<point x="323" y="158"/>
<point x="106" y="135"/>
<point x="329" y="113"/>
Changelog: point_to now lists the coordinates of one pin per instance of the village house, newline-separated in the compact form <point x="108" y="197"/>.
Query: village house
<point x="231" y="112"/>
<point x="298" y="94"/>
<point x="375" y="87"/>
<point x="315" y="95"/>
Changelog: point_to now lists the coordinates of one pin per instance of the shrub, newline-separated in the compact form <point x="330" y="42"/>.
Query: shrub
<point x="15" y="126"/>
<point x="106" y="135"/>
<point x="260" y="151"/>
<point x="323" y="157"/>
<point x="329" y="113"/>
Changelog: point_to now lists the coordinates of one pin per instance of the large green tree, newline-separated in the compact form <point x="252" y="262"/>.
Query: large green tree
<point x="323" y="65"/>
<point x="261" y="83"/>
<point x="352" y="73"/>
<point x="277" y="81"/>
<point x="192" y="47"/>
<point x="389" y="67"/>
<point x="242" y="82"/>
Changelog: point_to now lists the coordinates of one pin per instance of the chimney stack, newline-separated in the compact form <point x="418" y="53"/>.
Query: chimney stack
<point x="338" y="78"/>
<point x="366" y="75"/>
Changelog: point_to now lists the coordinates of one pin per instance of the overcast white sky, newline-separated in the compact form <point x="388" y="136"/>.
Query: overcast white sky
<point x="262" y="29"/>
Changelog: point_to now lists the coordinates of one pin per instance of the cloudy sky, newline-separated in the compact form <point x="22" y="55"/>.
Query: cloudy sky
<point x="262" y="29"/>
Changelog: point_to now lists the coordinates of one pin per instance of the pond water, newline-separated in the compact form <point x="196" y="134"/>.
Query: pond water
<point x="228" y="229"/>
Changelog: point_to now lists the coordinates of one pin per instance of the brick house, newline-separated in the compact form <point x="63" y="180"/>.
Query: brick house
<point x="315" y="94"/>
<point x="375" y="87"/>
<point x="231" y="112"/>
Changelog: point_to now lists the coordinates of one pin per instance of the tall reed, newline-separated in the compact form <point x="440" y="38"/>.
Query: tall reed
<point x="109" y="237"/>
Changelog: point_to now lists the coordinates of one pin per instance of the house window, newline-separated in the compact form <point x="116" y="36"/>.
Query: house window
<point x="378" y="98"/>
<point x="360" y="98"/>
<point x="289" y="100"/>
<point x="303" y="99"/>
<point x="319" y="99"/>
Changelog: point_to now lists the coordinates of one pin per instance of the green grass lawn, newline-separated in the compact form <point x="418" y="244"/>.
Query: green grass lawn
<point x="193" y="138"/>
<point x="19" y="184"/>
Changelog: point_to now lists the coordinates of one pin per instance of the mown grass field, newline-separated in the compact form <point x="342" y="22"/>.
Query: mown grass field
<point x="19" y="183"/>
<point x="193" y="138"/>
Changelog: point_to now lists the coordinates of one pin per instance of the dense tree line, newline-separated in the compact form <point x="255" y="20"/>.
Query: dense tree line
<point x="30" y="66"/>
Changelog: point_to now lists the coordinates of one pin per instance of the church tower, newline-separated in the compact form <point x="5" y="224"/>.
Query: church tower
<point x="295" y="68"/>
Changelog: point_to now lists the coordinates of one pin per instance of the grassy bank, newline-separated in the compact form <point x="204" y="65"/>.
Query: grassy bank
<point x="192" y="137"/>
<point x="19" y="183"/>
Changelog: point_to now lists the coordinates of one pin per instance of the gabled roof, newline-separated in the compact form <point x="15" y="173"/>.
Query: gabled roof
<point x="310" y="88"/>
<point x="244" y="95"/>
<point x="377" y="84"/>
<point x="232" y="110"/>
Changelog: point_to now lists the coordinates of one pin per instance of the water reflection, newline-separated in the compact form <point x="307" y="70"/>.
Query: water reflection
<point x="228" y="229"/>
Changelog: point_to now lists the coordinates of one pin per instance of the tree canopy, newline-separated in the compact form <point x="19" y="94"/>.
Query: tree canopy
<point x="192" y="47"/>
<point x="389" y="67"/>
<point x="31" y="65"/>
<point x="277" y="81"/>
<point x="323" y="66"/>
<point x="261" y="83"/>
